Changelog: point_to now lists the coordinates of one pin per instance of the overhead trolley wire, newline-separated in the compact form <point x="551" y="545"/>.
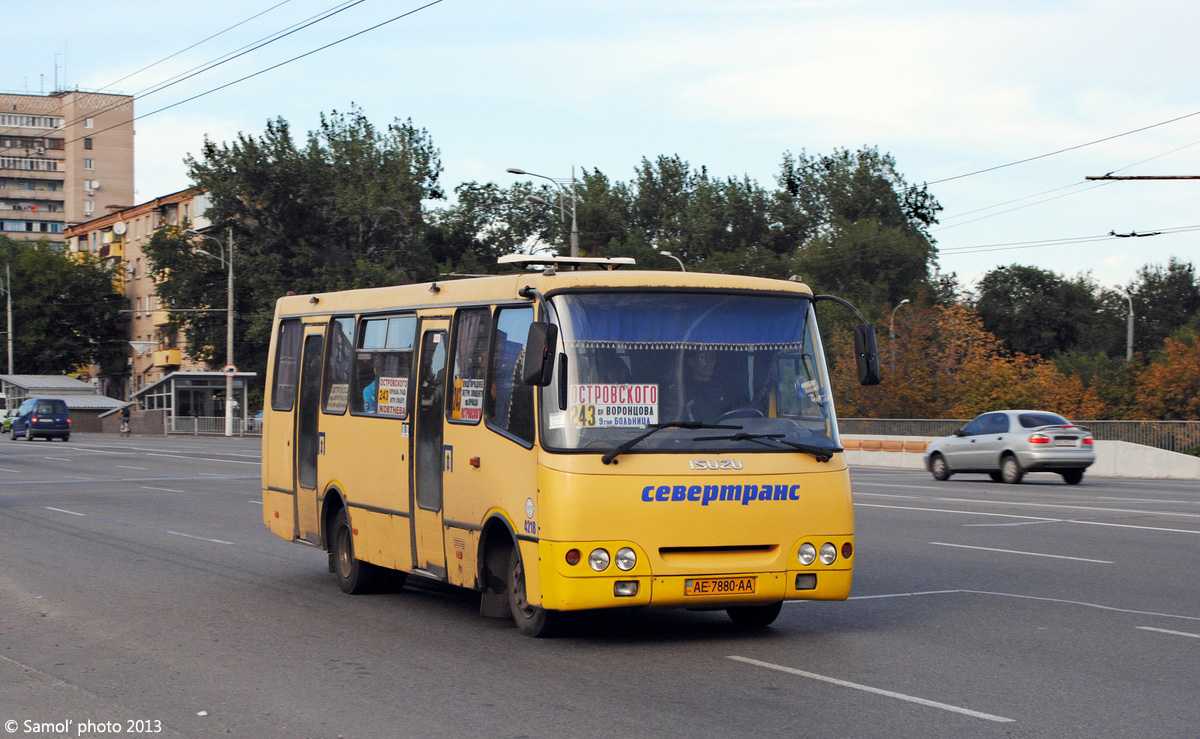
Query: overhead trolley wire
<point x="1064" y="150"/>
<point x="220" y="60"/>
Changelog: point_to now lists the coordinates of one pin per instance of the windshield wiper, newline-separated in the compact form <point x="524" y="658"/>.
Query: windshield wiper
<point x="654" y="428"/>
<point x="822" y="453"/>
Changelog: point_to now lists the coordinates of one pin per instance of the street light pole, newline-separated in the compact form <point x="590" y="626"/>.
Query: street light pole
<point x="229" y="344"/>
<point x="677" y="259"/>
<point x="574" y="223"/>
<point x="1128" y="326"/>
<point x="226" y="258"/>
<point x="892" y="332"/>
<point x="8" y="292"/>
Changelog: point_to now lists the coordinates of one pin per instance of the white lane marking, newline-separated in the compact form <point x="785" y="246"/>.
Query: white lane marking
<point x="165" y="490"/>
<point x="876" y="691"/>
<point x="1040" y="519"/>
<point x="1035" y="505"/>
<point x="1032" y="519"/>
<point x="204" y="459"/>
<point x="1017" y="595"/>
<point x="1168" y="631"/>
<point x="1131" y="526"/>
<point x="131" y="467"/>
<point x="5" y="469"/>
<point x="180" y="533"/>
<point x="1013" y="551"/>
<point x="256" y="502"/>
<point x="140" y="525"/>
<point x="253" y="459"/>
<point x="60" y="459"/>
<point x="1015" y="523"/>
<point x="1151" y="500"/>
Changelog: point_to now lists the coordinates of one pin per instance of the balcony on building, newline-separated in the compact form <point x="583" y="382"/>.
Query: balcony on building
<point x="114" y="250"/>
<point x="167" y="357"/>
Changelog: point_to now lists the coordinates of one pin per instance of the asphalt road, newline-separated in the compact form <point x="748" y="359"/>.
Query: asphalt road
<point x="140" y="591"/>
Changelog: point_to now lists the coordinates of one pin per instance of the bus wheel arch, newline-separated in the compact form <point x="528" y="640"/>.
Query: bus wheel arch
<point x="502" y="579"/>
<point x="332" y="502"/>
<point x="354" y="576"/>
<point x="495" y="541"/>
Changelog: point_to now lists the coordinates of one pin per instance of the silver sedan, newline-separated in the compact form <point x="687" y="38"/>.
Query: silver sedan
<point x="1007" y="444"/>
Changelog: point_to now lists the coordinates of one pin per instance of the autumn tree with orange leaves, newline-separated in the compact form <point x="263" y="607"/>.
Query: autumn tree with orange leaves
<point x="1169" y="388"/>
<point x="948" y="366"/>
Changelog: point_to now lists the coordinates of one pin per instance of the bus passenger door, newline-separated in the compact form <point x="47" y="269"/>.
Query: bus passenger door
<point x="430" y="456"/>
<point x="308" y="441"/>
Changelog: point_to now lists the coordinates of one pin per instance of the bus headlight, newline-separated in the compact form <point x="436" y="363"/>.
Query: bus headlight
<point x="828" y="553"/>
<point x="598" y="559"/>
<point x="626" y="559"/>
<point x="807" y="554"/>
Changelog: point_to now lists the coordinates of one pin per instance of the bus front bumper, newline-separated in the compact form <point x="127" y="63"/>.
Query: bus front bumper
<point x="694" y="591"/>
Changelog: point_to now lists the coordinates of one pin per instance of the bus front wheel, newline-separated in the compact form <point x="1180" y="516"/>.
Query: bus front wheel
<point x="353" y="575"/>
<point x="531" y="620"/>
<point x="754" y="617"/>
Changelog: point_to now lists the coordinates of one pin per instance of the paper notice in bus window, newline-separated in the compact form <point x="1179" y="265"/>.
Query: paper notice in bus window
<point x="393" y="396"/>
<point x="609" y="406"/>
<point x="467" y="404"/>
<point x="339" y="395"/>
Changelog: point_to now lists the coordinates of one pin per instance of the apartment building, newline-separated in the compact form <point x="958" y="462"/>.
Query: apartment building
<point x="65" y="158"/>
<point x="120" y="236"/>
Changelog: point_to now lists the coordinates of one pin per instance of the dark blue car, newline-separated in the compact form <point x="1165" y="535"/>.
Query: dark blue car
<point x="48" y="418"/>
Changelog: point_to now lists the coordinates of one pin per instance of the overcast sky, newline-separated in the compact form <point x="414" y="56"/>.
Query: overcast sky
<point x="948" y="88"/>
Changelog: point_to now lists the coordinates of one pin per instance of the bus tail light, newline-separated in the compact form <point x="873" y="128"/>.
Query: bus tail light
<point x="847" y="550"/>
<point x="573" y="557"/>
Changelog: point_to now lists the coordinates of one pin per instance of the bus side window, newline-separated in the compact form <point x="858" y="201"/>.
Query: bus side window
<point x="287" y="365"/>
<point x="339" y="355"/>
<point x="468" y="366"/>
<point x="509" y="401"/>
<point x="382" y="366"/>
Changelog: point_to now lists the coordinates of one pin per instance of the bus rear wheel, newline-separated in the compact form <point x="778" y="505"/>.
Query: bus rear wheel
<point x="531" y="620"/>
<point x="754" y="617"/>
<point x="353" y="575"/>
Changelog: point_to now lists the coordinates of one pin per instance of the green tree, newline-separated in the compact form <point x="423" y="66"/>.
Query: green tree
<point x="342" y="210"/>
<point x="1035" y="311"/>
<point x="1164" y="300"/>
<point x="66" y="310"/>
<point x="487" y="222"/>
<point x="855" y="227"/>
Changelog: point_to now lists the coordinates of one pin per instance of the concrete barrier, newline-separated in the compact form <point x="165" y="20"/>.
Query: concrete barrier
<point x="1113" y="458"/>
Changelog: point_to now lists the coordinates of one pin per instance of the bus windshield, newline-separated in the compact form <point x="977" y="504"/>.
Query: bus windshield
<point x="750" y="364"/>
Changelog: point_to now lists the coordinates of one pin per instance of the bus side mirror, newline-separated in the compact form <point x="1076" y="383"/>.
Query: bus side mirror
<point x="866" y="354"/>
<point x="539" y="354"/>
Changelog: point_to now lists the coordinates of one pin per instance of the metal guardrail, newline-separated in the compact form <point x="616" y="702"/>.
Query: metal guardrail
<point x="211" y="426"/>
<point x="1175" y="436"/>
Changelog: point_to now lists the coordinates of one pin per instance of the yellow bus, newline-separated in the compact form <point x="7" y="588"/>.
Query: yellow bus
<point x="575" y="434"/>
